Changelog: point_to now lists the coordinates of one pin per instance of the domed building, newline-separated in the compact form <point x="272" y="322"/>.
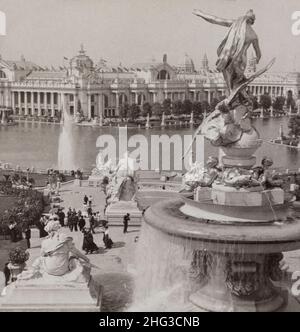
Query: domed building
<point x="81" y="63"/>
<point x="100" y="90"/>
<point x="187" y="66"/>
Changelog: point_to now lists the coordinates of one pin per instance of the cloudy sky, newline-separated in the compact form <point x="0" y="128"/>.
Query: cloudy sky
<point x="129" y="31"/>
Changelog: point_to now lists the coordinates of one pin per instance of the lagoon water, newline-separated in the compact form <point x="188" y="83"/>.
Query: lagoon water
<point x="34" y="144"/>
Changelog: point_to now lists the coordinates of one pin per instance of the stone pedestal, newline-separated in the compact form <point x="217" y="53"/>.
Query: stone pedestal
<point x="255" y="196"/>
<point x="116" y="211"/>
<point x="36" y="297"/>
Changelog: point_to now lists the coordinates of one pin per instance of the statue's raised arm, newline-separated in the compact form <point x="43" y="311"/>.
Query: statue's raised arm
<point x="213" y="19"/>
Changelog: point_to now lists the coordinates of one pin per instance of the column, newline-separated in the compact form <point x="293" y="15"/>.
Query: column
<point x="20" y="102"/>
<point x="52" y="105"/>
<point x="62" y="103"/>
<point x="100" y="105"/>
<point x="154" y="97"/>
<point x="7" y="104"/>
<point x="32" y="104"/>
<point x="209" y="97"/>
<point x="142" y="100"/>
<point x="13" y="104"/>
<point x="136" y="97"/>
<point x="59" y="105"/>
<point x="45" y="104"/>
<point x="89" y="106"/>
<point x="75" y="96"/>
<point x="117" y="102"/>
<point x="25" y="102"/>
<point x="39" y="104"/>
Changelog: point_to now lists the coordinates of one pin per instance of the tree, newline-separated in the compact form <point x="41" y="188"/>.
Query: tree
<point x="134" y="111"/>
<point x="255" y="103"/>
<point x="214" y="103"/>
<point x="265" y="101"/>
<point x="290" y="101"/>
<point x="187" y="106"/>
<point x="279" y="103"/>
<point x="197" y="108"/>
<point x="124" y="109"/>
<point x="166" y="105"/>
<point x="147" y="109"/>
<point x="157" y="109"/>
<point x="294" y="126"/>
<point x="205" y="106"/>
<point x="177" y="107"/>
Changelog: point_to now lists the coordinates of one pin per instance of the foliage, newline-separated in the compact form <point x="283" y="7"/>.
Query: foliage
<point x="147" y="109"/>
<point x="255" y="103"/>
<point x="294" y="126"/>
<point x="197" y="108"/>
<point x="279" y="103"/>
<point x="265" y="101"/>
<point x="290" y="101"/>
<point x="124" y="110"/>
<point x="27" y="210"/>
<point x="157" y="109"/>
<point x="18" y="256"/>
<point x="187" y="106"/>
<point x="166" y="105"/>
<point x="177" y="107"/>
<point x="134" y="111"/>
<point x="205" y="106"/>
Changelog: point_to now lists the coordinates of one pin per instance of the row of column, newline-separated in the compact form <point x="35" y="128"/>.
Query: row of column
<point x="32" y="104"/>
<point x="273" y="90"/>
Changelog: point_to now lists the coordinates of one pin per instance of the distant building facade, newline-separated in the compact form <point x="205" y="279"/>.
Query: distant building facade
<point x="97" y="90"/>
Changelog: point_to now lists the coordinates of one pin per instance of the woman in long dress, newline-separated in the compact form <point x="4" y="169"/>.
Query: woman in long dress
<point x="89" y="246"/>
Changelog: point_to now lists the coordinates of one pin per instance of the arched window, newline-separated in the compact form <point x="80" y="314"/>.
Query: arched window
<point x="2" y="74"/>
<point x="163" y="75"/>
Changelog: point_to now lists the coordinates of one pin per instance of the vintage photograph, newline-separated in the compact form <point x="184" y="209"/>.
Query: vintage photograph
<point x="149" y="157"/>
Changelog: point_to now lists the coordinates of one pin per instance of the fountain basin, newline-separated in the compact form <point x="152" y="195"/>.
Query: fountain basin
<point x="214" y="236"/>
<point x="222" y="213"/>
<point x="238" y="264"/>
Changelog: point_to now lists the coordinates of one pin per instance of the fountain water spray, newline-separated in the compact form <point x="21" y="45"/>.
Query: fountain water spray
<point x="66" y="157"/>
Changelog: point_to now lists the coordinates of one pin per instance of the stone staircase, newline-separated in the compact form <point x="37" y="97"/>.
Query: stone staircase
<point x="116" y="211"/>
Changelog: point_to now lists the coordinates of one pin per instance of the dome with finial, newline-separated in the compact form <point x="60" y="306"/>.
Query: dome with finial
<point x="187" y="66"/>
<point x="82" y="60"/>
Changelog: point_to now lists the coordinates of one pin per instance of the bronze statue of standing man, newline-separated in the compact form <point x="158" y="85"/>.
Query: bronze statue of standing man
<point x="232" y="52"/>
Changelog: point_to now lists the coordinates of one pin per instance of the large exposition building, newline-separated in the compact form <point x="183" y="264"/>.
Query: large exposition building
<point x="96" y="90"/>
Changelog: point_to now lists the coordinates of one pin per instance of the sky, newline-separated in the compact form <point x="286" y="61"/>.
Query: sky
<point x="131" y="31"/>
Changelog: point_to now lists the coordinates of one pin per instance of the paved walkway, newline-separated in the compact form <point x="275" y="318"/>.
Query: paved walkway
<point x="72" y="196"/>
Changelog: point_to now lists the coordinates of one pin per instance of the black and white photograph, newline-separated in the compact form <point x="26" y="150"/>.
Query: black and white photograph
<point x="149" y="158"/>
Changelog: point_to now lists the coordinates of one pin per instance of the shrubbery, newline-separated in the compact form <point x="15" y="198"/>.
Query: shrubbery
<point x="27" y="210"/>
